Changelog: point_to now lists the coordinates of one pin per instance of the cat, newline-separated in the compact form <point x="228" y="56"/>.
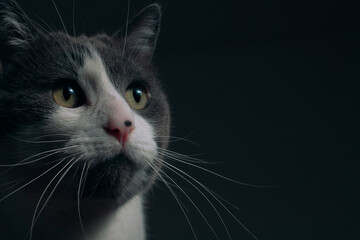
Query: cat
<point x="81" y="118"/>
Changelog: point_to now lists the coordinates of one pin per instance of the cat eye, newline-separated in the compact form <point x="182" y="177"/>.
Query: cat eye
<point x="137" y="96"/>
<point x="68" y="94"/>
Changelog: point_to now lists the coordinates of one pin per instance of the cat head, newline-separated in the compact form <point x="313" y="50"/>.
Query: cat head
<point x="93" y="102"/>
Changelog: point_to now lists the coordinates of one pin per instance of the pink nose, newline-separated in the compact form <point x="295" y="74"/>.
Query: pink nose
<point x="120" y="130"/>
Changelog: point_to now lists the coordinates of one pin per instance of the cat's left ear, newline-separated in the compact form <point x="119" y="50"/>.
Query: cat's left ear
<point x="141" y="33"/>
<point x="17" y="32"/>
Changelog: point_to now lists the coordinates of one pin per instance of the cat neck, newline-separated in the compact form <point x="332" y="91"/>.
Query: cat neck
<point x="101" y="219"/>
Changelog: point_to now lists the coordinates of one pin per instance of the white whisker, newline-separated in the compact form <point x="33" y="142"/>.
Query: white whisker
<point x="35" y="217"/>
<point x="53" y="35"/>
<point x="176" y="198"/>
<point x="210" y="192"/>
<point x="29" y="141"/>
<point x="189" y="158"/>
<point x="209" y="171"/>
<point x="74" y="29"/>
<point x="33" y="180"/>
<point x="51" y="135"/>
<point x="62" y="22"/>
<point x="200" y="212"/>
<point x="13" y="184"/>
<point x="126" y="28"/>
<point x="175" y="139"/>
<point x="78" y="199"/>
<point x="51" y="153"/>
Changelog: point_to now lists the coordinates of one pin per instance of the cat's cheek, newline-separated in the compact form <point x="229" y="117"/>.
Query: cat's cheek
<point x="66" y="118"/>
<point x="141" y="146"/>
<point x="76" y="127"/>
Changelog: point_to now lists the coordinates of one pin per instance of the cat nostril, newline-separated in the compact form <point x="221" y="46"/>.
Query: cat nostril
<point x="120" y="131"/>
<point x="128" y="123"/>
<point x="112" y="131"/>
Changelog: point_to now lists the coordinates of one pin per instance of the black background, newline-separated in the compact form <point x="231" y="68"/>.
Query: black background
<point x="270" y="89"/>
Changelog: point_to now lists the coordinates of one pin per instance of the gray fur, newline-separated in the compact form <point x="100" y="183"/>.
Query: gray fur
<point x="32" y="61"/>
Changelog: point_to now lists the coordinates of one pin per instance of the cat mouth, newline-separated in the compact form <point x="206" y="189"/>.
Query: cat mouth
<point x="110" y="179"/>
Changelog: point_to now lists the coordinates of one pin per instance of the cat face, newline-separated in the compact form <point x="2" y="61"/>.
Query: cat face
<point x="93" y="102"/>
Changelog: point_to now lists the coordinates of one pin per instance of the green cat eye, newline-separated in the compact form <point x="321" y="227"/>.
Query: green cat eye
<point x="68" y="94"/>
<point x="137" y="96"/>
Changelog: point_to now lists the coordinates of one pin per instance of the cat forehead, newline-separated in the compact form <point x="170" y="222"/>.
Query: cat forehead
<point x="94" y="76"/>
<point x="89" y="60"/>
<point x="99" y="52"/>
<point x="93" y="70"/>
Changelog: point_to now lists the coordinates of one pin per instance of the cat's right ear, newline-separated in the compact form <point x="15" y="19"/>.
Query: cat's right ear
<point x="141" y="32"/>
<point x="17" y="32"/>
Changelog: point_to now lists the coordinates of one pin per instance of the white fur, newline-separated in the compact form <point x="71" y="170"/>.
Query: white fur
<point x="127" y="223"/>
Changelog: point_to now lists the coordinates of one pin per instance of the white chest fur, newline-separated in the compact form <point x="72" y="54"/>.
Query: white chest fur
<point x="126" y="223"/>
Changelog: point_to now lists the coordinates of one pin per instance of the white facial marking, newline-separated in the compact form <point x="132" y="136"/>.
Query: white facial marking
<point x="86" y="123"/>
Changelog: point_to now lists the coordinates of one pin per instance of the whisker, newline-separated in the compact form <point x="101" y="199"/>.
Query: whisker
<point x="29" y="141"/>
<point x="78" y="200"/>
<point x="35" y="217"/>
<point x="52" y="135"/>
<point x="33" y="180"/>
<point x="74" y="29"/>
<point x="169" y="166"/>
<point x="9" y="183"/>
<point x="176" y="198"/>
<point x="85" y="178"/>
<point x="39" y="137"/>
<point x="210" y="192"/>
<point x="126" y="28"/>
<point x="13" y="184"/>
<point x="69" y="156"/>
<point x="74" y="175"/>
<point x="62" y="22"/>
<point x="52" y="152"/>
<point x="184" y="157"/>
<point x="33" y="23"/>
<point x="175" y="139"/>
<point x="211" y="172"/>
<point x="202" y="215"/>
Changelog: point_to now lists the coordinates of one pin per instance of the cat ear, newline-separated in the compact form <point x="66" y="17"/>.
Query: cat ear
<point x="16" y="30"/>
<point x="142" y="32"/>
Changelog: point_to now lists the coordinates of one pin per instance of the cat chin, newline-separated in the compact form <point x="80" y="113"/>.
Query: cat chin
<point x="118" y="178"/>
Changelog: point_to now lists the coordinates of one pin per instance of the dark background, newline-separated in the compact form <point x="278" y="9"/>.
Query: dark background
<point x="268" y="88"/>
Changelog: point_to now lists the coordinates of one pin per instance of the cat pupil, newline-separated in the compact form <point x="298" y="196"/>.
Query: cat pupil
<point x="67" y="92"/>
<point x="137" y="95"/>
